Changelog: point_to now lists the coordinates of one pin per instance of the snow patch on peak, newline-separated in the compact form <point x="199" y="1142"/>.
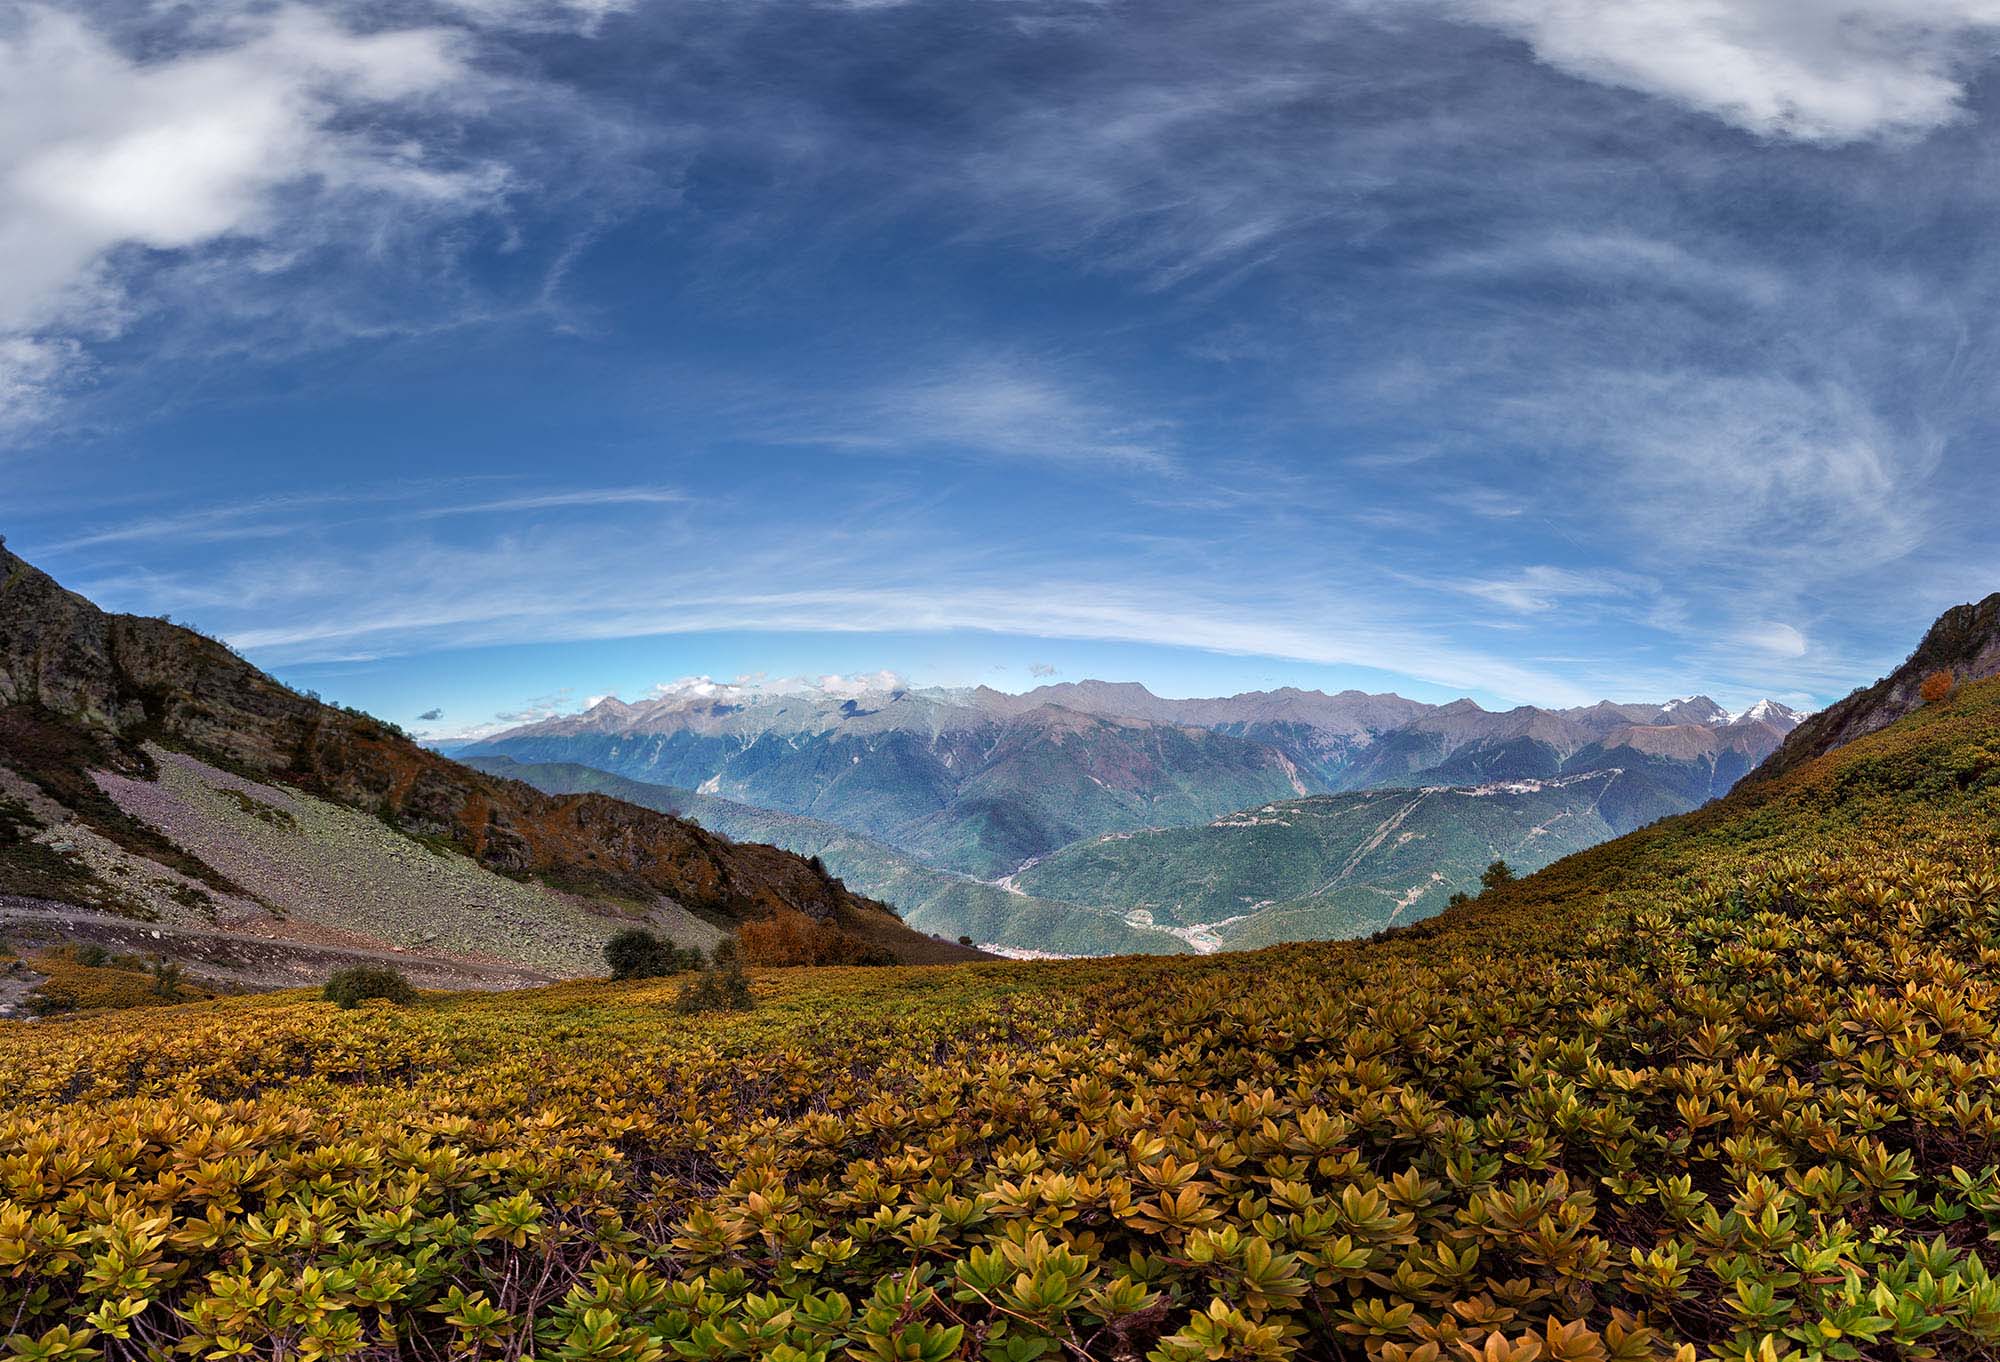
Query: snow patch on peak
<point x="1695" y="708"/>
<point x="1768" y="711"/>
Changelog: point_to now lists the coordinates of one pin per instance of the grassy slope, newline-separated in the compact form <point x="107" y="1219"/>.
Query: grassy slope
<point x="1727" y="1082"/>
<point x="929" y="900"/>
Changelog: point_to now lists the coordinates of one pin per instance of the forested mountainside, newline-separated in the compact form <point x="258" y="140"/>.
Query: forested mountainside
<point x="1721" y="1088"/>
<point x="148" y="771"/>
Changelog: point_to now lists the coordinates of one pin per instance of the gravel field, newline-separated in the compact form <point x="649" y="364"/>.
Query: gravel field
<point x="339" y="878"/>
<point x="245" y="959"/>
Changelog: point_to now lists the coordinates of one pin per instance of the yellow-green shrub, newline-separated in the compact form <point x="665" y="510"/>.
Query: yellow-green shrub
<point x="1721" y="1089"/>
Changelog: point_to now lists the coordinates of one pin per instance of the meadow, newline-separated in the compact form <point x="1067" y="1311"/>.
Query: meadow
<point x="1723" y="1088"/>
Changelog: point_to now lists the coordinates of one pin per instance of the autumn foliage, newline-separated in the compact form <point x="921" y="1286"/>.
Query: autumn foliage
<point x="792" y="938"/>
<point x="1937" y="686"/>
<point x="1724" y="1090"/>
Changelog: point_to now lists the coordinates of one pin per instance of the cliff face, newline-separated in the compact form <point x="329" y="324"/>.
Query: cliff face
<point x="1965" y="641"/>
<point x="112" y="682"/>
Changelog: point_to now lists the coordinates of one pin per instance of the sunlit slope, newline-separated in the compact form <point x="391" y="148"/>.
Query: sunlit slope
<point x="1725" y="1083"/>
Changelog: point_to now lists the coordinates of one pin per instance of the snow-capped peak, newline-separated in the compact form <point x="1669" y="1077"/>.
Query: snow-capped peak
<point x="1768" y="711"/>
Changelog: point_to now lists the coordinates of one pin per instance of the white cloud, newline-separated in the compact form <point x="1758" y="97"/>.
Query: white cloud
<point x="1781" y="640"/>
<point x="1826" y="71"/>
<point x="103" y="153"/>
<point x="1001" y="408"/>
<point x="549" y="501"/>
<point x="574" y="585"/>
<point x="1617" y="257"/>
<point x="1795" y="481"/>
<point x="277" y="517"/>
<point x="1539" y="589"/>
<point x="756" y="684"/>
<point x="691" y="688"/>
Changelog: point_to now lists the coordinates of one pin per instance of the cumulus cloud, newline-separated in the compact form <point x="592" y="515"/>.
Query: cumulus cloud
<point x="1043" y="669"/>
<point x="555" y="703"/>
<point x="430" y="716"/>
<point x="1815" y="70"/>
<point x="113" y="158"/>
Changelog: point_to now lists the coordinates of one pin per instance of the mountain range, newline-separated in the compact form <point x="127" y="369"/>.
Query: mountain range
<point x="154" y="786"/>
<point x="935" y="797"/>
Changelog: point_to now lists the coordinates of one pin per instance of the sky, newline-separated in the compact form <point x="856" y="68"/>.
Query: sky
<point x="467" y="360"/>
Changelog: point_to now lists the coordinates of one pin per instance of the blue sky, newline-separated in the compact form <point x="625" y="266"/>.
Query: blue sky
<point x="481" y="357"/>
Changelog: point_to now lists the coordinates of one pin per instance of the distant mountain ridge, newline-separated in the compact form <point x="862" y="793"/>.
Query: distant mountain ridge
<point x="980" y="781"/>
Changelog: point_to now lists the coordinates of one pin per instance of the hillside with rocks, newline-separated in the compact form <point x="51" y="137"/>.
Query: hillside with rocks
<point x="122" y="736"/>
<point x="1963" y="646"/>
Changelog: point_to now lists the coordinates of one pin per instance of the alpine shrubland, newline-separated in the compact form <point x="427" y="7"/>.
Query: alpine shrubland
<point x="1723" y="1088"/>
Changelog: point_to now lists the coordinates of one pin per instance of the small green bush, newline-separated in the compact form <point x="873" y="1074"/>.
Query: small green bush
<point x="638" y="954"/>
<point x="351" y="984"/>
<point x="166" y="978"/>
<point x="92" y="955"/>
<point x="722" y="987"/>
<point x="1495" y="875"/>
<point x="49" y="999"/>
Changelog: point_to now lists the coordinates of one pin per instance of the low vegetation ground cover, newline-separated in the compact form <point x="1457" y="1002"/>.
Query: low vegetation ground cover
<point x="1723" y="1088"/>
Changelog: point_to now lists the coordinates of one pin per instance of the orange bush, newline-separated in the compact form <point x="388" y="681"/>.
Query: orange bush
<point x="789" y="937"/>
<point x="1938" y="686"/>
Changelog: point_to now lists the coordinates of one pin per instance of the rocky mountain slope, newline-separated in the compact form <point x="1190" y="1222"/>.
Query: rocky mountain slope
<point x="1964" y="643"/>
<point x="121" y="738"/>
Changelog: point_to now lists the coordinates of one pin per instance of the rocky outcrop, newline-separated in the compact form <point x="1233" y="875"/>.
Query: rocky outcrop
<point x="1965" y="642"/>
<point x="109" y="683"/>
